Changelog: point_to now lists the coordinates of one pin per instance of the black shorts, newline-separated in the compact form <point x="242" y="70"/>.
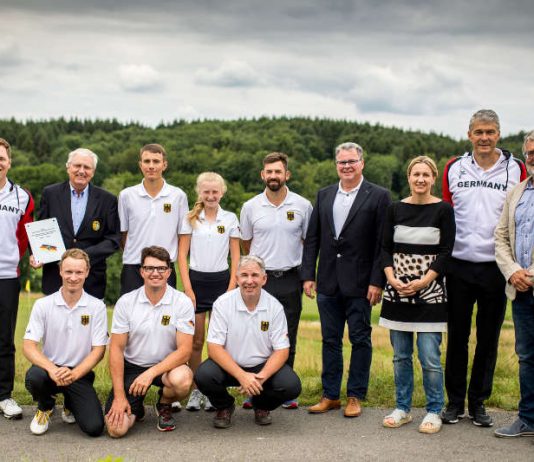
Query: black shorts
<point x="131" y="372"/>
<point x="208" y="287"/>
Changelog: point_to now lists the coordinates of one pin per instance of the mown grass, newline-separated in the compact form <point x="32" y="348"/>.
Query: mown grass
<point x="308" y="363"/>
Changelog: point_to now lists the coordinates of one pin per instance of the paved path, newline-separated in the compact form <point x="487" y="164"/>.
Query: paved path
<point x="294" y="436"/>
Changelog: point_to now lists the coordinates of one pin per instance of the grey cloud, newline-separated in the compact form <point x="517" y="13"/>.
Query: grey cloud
<point x="231" y="73"/>
<point x="139" y="78"/>
<point x="10" y="54"/>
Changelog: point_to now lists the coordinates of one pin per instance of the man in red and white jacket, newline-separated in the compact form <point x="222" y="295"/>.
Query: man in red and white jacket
<point x="476" y="184"/>
<point x="16" y="209"/>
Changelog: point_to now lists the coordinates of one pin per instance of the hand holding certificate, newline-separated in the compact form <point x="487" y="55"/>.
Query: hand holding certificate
<point x="45" y="240"/>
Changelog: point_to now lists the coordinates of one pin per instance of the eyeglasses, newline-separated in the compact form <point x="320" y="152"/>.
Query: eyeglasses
<point x="528" y="154"/>
<point x="344" y="163"/>
<point x="158" y="269"/>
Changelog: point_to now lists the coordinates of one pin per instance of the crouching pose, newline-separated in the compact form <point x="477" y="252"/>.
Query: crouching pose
<point x="248" y="346"/>
<point x="73" y="328"/>
<point x="151" y="342"/>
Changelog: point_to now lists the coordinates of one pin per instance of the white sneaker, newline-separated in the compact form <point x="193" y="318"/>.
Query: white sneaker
<point x="176" y="406"/>
<point x="10" y="409"/>
<point x="194" y="401"/>
<point x="208" y="407"/>
<point x="67" y="416"/>
<point x="40" y="422"/>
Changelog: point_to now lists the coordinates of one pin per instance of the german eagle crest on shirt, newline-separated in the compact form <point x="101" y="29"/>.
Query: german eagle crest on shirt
<point x="165" y="320"/>
<point x="264" y="326"/>
<point x="167" y="208"/>
<point x="290" y="215"/>
<point x="84" y="319"/>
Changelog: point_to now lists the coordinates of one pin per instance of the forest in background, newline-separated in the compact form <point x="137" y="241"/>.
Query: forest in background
<point x="234" y="149"/>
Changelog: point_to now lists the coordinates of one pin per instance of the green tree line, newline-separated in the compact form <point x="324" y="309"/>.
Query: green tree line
<point x="232" y="148"/>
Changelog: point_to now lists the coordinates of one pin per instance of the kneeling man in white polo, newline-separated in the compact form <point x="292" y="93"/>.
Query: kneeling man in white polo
<point x="248" y="346"/>
<point x="151" y="342"/>
<point x="72" y="326"/>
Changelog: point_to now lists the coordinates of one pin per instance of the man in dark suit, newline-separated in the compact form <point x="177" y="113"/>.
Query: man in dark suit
<point x="88" y="219"/>
<point x="345" y="231"/>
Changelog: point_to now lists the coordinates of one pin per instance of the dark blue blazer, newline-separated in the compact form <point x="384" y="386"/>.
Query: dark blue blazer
<point x="99" y="233"/>
<point x="350" y="263"/>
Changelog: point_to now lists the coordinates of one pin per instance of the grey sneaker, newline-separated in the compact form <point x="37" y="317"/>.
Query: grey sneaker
<point x="208" y="407"/>
<point x="10" y="409"/>
<point x="194" y="401"/>
<point x="518" y="428"/>
<point x="67" y="416"/>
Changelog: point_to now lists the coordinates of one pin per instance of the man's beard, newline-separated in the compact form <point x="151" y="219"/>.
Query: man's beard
<point x="274" y="185"/>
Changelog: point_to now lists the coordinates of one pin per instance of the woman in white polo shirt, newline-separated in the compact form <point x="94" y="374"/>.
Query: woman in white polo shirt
<point x="208" y="235"/>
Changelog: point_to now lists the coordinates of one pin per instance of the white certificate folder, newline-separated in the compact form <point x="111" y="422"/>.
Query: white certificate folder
<point x="45" y="240"/>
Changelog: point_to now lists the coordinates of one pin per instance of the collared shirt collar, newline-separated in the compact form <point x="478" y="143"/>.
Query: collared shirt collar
<point x="75" y="193"/>
<point x="165" y="300"/>
<point x="288" y="200"/>
<point x="164" y="190"/>
<point x="340" y="190"/>
<point x="60" y="301"/>
<point x="202" y="214"/>
<point x="261" y="306"/>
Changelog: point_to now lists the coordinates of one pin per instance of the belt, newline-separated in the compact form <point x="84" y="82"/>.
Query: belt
<point x="282" y="273"/>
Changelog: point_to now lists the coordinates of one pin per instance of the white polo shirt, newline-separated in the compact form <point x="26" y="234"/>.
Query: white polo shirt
<point x="276" y="232"/>
<point x="68" y="334"/>
<point x="249" y="337"/>
<point x="210" y="242"/>
<point x="151" y="220"/>
<point x="152" y="329"/>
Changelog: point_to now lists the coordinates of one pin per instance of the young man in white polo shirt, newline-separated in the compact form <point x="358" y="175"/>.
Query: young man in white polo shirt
<point x="273" y="227"/>
<point x="151" y="342"/>
<point x="72" y="326"/>
<point x="150" y="213"/>
<point x="248" y="347"/>
<point x="16" y="209"/>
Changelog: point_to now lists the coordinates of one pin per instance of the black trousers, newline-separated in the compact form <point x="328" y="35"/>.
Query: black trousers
<point x="212" y="381"/>
<point x="131" y="372"/>
<point x="287" y="289"/>
<point x="469" y="283"/>
<point x="80" y="398"/>
<point x="9" y="305"/>
<point x="131" y="278"/>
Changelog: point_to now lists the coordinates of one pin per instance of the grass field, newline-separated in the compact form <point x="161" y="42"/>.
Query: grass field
<point x="308" y="363"/>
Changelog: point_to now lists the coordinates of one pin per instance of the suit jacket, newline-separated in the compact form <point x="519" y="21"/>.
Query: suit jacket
<point x="505" y="238"/>
<point x="351" y="262"/>
<point x="98" y="235"/>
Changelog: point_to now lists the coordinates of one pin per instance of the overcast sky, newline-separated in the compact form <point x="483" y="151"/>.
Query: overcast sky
<point x="417" y="64"/>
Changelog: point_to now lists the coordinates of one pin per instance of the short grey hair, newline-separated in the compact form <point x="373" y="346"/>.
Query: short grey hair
<point x="82" y="152"/>
<point x="247" y="259"/>
<point x="349" y="146"/>
<point x="528" y="137"/>
<point x="486" y="116"/>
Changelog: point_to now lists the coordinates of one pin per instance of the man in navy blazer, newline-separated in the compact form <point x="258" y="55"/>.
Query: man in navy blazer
<point x="345" y="231"/>
<point x="87" y="217"/>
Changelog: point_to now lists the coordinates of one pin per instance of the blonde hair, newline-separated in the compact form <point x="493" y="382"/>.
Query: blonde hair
<point x="194" y="213"/>
<point x="423" y="160"/>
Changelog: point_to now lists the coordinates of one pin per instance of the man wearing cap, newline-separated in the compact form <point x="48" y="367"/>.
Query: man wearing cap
<point x="248" y="347"/>
<point x="72" y="326"/>
<point x="514" y="251"/>
<point x="150" y="213"/>
<point x="476" y="184"/>
<point x="87" y="218"/>
<point x="273" y="227"/>
<point x="151" y="342"/>
<point x="16" y="209"/>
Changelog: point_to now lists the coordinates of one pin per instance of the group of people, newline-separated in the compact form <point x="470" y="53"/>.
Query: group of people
<point x="428" y="260"/>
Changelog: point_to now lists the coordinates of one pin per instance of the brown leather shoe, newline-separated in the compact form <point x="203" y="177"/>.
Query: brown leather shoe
<point x="324" y="405"/>
<point x="353" y="407"/>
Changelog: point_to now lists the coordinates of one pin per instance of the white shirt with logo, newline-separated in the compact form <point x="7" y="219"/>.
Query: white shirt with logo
<point x="152" y="329"/>
<point x="151" y="220"/>
<point x="250" y="337"/>
<point x="68" y="334"/>
<point x="210" y="242"/>
<point x="277" y="232"/>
